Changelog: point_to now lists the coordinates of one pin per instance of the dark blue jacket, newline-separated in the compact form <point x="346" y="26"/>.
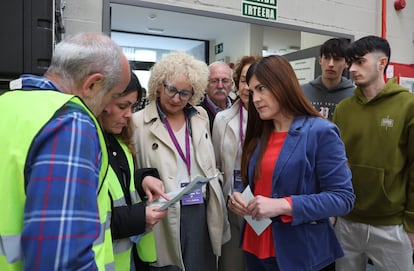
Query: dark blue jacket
<point x="311" y="169"/>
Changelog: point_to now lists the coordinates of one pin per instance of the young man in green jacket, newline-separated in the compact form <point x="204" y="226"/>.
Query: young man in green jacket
<point x="377" y="127"/>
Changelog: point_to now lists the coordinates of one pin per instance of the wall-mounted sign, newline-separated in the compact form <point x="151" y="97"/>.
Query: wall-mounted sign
<point x="261" y="9"/>
<point x="218" y="48"/>
<point x="407" y="82"/>
<point x="304" y="69"/>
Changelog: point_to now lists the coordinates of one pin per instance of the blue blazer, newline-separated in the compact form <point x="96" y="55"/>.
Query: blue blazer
<point x="312" y="169"/>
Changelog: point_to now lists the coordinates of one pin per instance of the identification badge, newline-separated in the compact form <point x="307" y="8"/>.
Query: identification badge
<point x="195" y="197"/>
<point x="238" y="185"/>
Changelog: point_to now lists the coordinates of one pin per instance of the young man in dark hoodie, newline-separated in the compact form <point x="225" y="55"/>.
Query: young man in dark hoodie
<point x="377" y="127"/>
<point x="328" y="89"/>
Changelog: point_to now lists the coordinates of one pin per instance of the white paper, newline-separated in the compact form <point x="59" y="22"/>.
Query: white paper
<point x="177" y="195"/>
<point x="304" y="69"/>
<point x="258" y="225"/>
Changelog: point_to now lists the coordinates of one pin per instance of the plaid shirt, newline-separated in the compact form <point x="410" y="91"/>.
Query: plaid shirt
<point x="61" y="219"/>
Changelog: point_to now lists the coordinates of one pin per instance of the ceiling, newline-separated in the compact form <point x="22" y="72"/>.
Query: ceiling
<point x="157" y="24"/>
<point x="167" y="23"/>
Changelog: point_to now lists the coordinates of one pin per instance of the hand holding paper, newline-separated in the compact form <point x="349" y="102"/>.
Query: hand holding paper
<point x="258" y="225"/>
<point x="177" y="195"/>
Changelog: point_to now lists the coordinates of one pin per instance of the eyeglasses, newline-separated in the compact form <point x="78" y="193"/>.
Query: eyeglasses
<point x="171" y="91"/>
<point x="224" y="81"/>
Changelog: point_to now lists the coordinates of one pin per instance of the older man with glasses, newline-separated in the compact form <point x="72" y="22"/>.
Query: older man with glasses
<point x="220" y="84"/>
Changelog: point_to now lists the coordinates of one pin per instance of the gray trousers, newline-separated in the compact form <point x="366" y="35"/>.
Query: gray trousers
<point x="232" y="256"/>
<point x="388" y="247"/>
<point x="195" y="241"/>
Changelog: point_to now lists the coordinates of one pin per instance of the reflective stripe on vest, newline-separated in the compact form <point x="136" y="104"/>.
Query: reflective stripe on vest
<point x="122" y="247"/>
<point x="22" y="128"/>
<point x="11" y="248"/>
<point x="103" y="244"/>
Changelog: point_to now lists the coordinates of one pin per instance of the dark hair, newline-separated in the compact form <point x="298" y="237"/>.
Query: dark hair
<point x="126" y="133"/>
<point x="245" y="60"/>
<point x="134" y="85"/>
<point x="365" y="45"/>
<point x="335" y="47"/>
<point x="277" y="75"/>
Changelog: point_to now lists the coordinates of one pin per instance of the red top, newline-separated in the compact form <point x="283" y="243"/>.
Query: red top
<point x="263" y="246"/>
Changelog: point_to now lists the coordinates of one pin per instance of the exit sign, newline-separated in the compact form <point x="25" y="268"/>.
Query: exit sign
<point x="261" y="9"/>
<point x="218" y="48"/>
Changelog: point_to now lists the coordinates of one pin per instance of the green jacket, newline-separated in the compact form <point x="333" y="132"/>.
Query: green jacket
<point x="17" y="145"/>
<point x="379" y="142"/>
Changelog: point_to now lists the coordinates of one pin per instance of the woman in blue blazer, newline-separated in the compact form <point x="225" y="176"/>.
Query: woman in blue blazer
<point x="295" y="164"/>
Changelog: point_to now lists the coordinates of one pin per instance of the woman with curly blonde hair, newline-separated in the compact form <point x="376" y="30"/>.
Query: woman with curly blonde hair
<point x="173" y="136"/>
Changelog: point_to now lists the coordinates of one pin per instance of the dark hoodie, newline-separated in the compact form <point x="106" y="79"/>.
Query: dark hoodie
<point x="320" y="96"/>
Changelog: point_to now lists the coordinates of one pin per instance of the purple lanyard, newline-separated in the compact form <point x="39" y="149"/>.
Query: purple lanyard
<point x="186" y="158"/>
<point x="241" y="134"/>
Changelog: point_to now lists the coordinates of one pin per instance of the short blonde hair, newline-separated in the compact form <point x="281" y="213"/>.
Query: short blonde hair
<point x="177" y="64"/>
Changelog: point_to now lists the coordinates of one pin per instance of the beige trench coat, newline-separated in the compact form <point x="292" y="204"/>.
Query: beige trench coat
<point x="226" y="141"/>
<point x="156" y="149"/>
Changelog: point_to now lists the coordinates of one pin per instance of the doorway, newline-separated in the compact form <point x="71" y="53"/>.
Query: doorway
<point x="154" y="21"/>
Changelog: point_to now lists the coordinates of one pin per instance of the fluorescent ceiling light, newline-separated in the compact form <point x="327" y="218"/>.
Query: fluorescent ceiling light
<point x="155" y="30"/>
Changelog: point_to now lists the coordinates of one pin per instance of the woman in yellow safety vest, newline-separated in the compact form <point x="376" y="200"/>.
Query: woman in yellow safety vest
<point x="131" y="219"/>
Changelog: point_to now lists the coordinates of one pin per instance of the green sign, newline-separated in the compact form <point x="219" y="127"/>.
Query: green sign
<point x="264" y="2"/>
<point x="261" y="9"/>
<point x="218" y="48"/>
<point x="261" y="12"/>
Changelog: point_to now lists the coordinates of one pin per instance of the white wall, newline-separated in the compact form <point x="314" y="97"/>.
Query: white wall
<point x="230" y="42"/>
<point x="275" y="38"/>
<point x="308" y="40"/>
<point x="352" y="17"/>
<point x="82" y="16"/>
